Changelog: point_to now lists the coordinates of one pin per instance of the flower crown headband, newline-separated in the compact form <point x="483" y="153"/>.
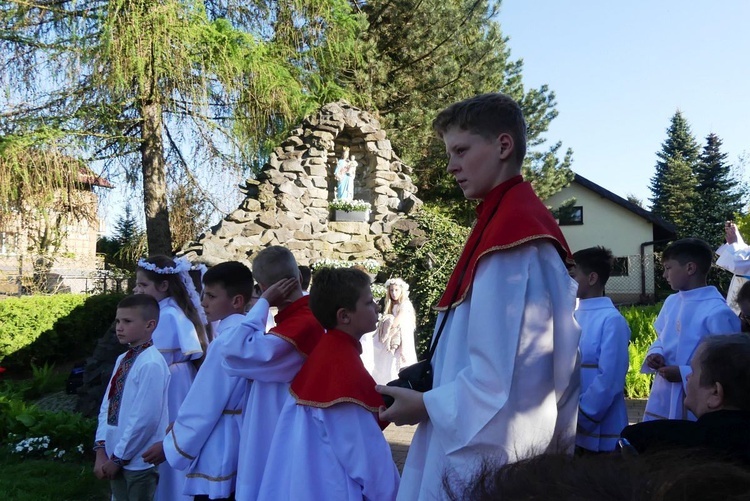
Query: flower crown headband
<point x="182" y="268"/>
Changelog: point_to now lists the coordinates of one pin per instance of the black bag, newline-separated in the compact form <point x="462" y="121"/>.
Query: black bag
<point x="416" y="377"/>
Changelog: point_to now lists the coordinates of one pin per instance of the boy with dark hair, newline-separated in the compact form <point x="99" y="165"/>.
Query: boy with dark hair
<point x="718" y="393"/>
<point x="604" y="354"/>
<point x="133" y="414"/>
<point x="204" y="438"/>
<point x="270" y="360"/>
<point x="329" y="443"/>
<point x="696" y="311"/>
<point x="499" y="387"/>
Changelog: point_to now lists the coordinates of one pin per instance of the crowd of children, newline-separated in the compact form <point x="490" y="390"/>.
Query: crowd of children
<point x="282" y="407"/>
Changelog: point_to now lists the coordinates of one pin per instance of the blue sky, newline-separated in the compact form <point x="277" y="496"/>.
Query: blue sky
<point x="621" y="69"/>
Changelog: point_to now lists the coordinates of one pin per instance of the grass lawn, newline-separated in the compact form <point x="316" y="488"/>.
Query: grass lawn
<point x="48" y="480"/>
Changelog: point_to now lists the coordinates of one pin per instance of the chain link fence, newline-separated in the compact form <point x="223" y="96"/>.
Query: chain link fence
<point x="59" y="281"/>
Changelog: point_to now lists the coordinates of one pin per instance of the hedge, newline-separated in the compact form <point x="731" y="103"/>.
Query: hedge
<point x="43" y="329"/>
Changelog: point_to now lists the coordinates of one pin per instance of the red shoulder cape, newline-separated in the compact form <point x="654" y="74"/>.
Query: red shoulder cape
<point x="334" y="374"/>
<point x="297" y="325"/>
<point x="509" y="216"/>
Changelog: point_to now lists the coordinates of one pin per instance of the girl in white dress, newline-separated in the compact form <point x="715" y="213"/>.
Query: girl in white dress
<point x="180" y="336"/>
<point x="393" y="342"/>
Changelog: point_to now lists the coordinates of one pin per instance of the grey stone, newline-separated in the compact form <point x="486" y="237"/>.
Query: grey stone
<point x="290" y="188"/>
<point x="268" y="220"/>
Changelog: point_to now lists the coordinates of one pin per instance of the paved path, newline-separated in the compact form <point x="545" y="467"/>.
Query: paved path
<point x="399" y="437"/>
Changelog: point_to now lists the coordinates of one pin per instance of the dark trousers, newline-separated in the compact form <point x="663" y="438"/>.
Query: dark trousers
<point x="204" y="497"/>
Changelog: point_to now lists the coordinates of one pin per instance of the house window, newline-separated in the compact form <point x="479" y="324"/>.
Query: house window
<point x="571" y="215"/>
<point x="620" y="267"/>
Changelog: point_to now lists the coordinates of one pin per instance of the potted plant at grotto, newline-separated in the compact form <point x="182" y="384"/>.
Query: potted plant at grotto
<point x="350" y="210"/>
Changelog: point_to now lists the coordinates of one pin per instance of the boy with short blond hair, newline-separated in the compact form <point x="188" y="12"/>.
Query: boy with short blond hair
<point x="505" y="381"/>
<point x="329" y="443"/>
<point x="133" y="414"/>
<point x="604" y="354"/>
<point x="697" y="310"/>
<point x="270" y="360"/>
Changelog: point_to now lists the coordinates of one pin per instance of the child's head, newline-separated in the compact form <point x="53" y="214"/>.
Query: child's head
<point x="397" y="292"/>
<point x="136" y="319"/>
<point x="227" y="289"/>
<point x="721" y="375"/>
<point x="340" y="298"/>
<point x="273" y="264"/>
<point x="161" y="277"/>
<point x="591" y="271"/>
<point x="686" y="263"/>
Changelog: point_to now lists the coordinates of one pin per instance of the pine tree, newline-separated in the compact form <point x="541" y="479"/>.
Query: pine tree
<point x="719" y="195"/>
<point x="424" y="55"/>
<point x="674" y="192"/>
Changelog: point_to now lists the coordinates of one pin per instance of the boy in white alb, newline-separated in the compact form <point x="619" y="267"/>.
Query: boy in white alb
<point x="270" y="360"/>
<point x="133" y="414"/>
<point x="328" y="442"/>
<point x="204" y="439"/>
<point x="696" y="311"/>
<point x="604" y="354"/>
<point x="505" y="375"/>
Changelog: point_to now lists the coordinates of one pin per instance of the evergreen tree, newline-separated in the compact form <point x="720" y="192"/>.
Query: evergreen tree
<point x="678" y="188"/>
<point x="673" y="194"/>
<point x="421" y="56"/>
<point x="719" y="195"/>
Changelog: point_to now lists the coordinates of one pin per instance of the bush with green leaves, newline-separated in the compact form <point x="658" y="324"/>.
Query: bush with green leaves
<point x="21" y="422"/>
<point x="642" y="334"/>
<point x="41" y="329"/>
<point x="425" y="262"/>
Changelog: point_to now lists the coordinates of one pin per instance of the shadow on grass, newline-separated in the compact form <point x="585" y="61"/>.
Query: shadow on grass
<point x="47" y="480"/>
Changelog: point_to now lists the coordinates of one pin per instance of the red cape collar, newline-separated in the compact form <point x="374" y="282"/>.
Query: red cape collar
<point x="509" y="216"/>
<point x="297" y="325"/>
<point x="335" y="374"/>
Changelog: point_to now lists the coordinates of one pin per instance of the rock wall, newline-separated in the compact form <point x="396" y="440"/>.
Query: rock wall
<point x="288" y="202"/>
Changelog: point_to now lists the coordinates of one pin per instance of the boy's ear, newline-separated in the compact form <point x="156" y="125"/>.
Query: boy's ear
<point x="691" y="268"/>
<point x="342" y="316"/>
<point x="506" y="145"/>
<point x="238" y="302"/>
<point x="151" y="324"/>
<point x="593" y="278"/>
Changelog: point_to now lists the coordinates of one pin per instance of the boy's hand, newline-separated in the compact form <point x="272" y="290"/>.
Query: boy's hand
<point x="671" y="373"/>
<point x="408" y="407"/>
<point x="730" y="229"/>
<point x="101" y="458"/>
<point x="110" y="469"/>
<point x="155" y="454"/>
<point x="277" y="293"/>
<point x="655" y="361"/>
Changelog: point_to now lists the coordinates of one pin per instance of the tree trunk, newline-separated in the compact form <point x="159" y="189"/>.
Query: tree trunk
<point x="158" y="235"/>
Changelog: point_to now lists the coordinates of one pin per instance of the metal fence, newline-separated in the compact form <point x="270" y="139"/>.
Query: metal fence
<point x="61" y="281"/>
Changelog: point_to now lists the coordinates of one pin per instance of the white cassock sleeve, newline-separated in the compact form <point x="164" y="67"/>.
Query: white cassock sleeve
<point x="657" y="346"/>
<point x="509" y="322"/>
<point x="144" y="413"/>
<point x="252" y="354"/>
<point x="722" y="321"/>
<point x="735" y="257"/>
<point x="597" y="400"/>
<point x="359" y="445"/>
<point x="200" y="411"/>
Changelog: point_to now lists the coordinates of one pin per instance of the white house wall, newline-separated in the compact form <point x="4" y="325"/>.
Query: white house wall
<point x="610" y="225"/>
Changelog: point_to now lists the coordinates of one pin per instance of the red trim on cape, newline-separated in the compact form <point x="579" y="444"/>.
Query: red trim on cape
<point x="334" y="374"/>
<point x="509" y="216"/>
<point x="297" y="325"/>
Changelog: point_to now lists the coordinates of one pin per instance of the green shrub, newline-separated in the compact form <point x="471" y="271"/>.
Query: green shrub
<point x="20" y="420"/>
<point x="42" y="329"/>
<point x="642" y="334"/>
<point x="425" y="262"/>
